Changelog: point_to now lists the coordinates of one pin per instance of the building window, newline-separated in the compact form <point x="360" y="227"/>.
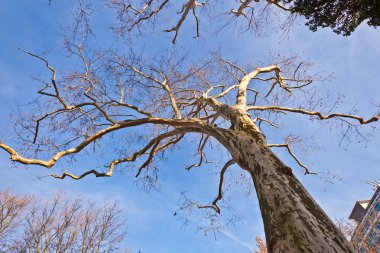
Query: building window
<point x="372" y="239"/>
<point x="377" y="207"/>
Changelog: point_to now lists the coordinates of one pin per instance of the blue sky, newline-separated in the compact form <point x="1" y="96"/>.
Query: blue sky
<point x="354" y="62"/>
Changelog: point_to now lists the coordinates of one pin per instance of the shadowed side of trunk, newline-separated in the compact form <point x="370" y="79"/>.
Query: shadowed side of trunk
<point x="293" y="221"/>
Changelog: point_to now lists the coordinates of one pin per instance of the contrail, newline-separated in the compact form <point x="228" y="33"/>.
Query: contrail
<point x="236" y="239"/>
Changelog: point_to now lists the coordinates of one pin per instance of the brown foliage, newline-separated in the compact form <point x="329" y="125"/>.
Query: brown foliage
<point x="262" y="248"/>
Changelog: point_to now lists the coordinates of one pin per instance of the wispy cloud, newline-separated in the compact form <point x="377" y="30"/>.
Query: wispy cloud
<point x="237" y="239"/>
<point x="6" y="90"/>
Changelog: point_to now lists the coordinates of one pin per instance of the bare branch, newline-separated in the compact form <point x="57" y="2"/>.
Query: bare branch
<point x="244" y="5"/>
<point x="201" y="146"/>
<point x="241" y="99"/>
<point x="307" y="170"/>
<point x="132" y="107"/>
<point x="195" y="125"/>
<point x="154" y="142"/>
<point x="190" y="5"/>
<point x="260" y="120"/>
<point x="276" y="3"/>
<point x="214" y="204"/>
<point x="149" y="15"/>
<point x="164" y="84"/>
<point x="313" y="113"/>
<point x="53" y="80"/>
<point x="233" y="65"/>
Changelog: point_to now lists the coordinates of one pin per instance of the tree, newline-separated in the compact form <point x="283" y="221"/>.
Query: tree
<point x="181" y="103"/>
<point x="346" y="226"/>
<point x="58" y="224"/>
<point x="261" y="245"/>
<point x="156" y="103"/>
<point x="12" y="209"/>
<point x="342" y="16"/>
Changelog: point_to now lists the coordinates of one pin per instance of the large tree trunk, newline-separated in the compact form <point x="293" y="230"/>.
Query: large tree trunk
<point x="293" y="221"/>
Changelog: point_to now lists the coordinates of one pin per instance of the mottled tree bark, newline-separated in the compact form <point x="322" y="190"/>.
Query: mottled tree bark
<point x="293" y="221"/>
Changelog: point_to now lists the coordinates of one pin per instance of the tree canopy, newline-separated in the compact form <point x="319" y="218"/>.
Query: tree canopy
<point x="343" y="16"/>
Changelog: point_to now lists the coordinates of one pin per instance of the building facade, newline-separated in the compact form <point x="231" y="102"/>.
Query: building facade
<point x="366" y="213"/>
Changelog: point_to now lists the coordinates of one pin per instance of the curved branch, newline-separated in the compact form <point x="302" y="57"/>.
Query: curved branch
<point x="191" y="4"/>
<point x="214" y="204"/>
<point x="53" y="79"/>
<point x="164" y="84"/>
<point x="166" y="87"/>
<point x="274" y="2"/>
<point x="201" y="146"/>
<point x="315" y="113"/>
<point x="241" y="99"/>
<point x="95" y="172"/>
<point x="131" y="158"/>
<point x="307" y="170"/>
<point x="148" y="16"/>
<point x="193" y="125"/>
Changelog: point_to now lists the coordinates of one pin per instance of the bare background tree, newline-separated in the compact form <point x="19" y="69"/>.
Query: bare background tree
<point x="12" y="214"/>
<point x="346" y="226"/>
<point x="59" y="224"/>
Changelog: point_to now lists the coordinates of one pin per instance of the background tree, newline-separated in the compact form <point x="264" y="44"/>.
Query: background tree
<point x="261" y="245"/>
<point x="346" y="226"/>
<point x="59" y="224"/>
<point x="12" y="210"/>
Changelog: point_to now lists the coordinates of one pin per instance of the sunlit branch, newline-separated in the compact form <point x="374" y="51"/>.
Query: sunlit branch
<point x="190" y="5"/>
<point x="226" y="91"/>
<point x="241" y="99"/>
<point x="314" y="113"/>
<point x="154" y="142"/>
<point x="150" y="14"/>
<point x="139" y="11"/>
<point x="195" y="125"/>
<point x="70" y="109"/>
<point x="244" y="5"/>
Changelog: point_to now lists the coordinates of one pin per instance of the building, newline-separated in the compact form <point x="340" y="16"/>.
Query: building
<point x="366" y="213"/>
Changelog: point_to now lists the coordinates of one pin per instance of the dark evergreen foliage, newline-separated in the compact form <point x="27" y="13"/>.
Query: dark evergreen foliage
<point x="343" y="16"/>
